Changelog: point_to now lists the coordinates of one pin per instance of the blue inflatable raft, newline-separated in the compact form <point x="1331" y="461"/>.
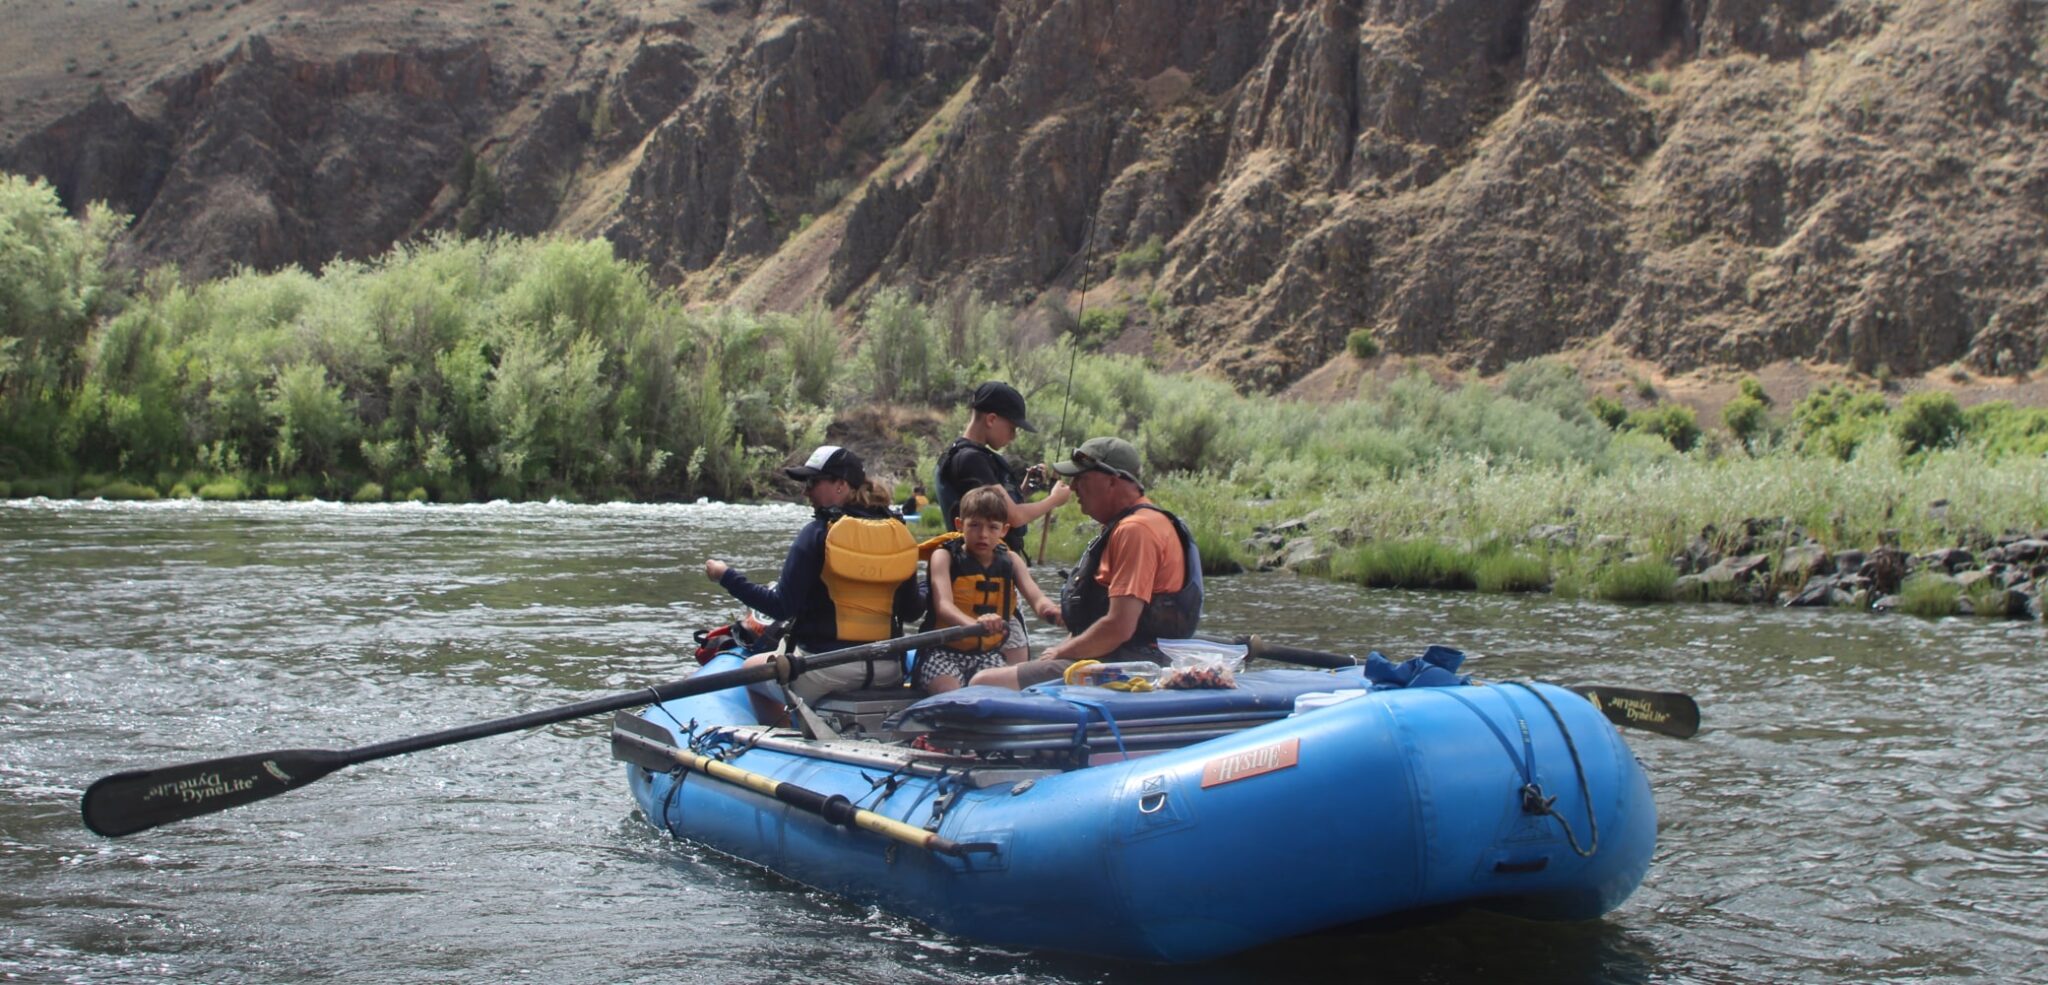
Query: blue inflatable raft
<point x="1170" y="825"/>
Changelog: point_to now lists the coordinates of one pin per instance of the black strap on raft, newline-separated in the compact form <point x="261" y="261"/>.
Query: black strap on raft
<point x="1533" y="801"/>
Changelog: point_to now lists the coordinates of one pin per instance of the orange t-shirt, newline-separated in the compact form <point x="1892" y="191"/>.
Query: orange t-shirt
<point x="1143" y="559"/>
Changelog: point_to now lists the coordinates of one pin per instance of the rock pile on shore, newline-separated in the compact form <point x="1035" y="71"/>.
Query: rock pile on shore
<point x="1775" y="562"/>
<point x="1767" y="562"/>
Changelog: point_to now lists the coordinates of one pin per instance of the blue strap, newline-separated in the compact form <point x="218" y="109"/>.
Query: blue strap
<point x="1096" y="705"/>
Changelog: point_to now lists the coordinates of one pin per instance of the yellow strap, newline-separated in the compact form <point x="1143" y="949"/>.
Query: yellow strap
<point x="927" y="546"/>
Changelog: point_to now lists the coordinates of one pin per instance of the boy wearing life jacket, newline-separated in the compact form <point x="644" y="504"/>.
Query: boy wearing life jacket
<point x="1139" y="582"/>
<point x="977" y="579"/>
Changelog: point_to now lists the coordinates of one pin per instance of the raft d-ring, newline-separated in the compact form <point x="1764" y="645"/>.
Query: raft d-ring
<point x="1152" y="803"/>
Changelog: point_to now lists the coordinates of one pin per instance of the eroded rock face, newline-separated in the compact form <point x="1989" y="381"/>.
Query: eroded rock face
<point x="1701" y="181"/>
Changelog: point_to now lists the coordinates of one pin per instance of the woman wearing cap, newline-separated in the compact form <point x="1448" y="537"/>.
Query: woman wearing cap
<point x="822" y="608"/>
<point x="1138" y="582"/>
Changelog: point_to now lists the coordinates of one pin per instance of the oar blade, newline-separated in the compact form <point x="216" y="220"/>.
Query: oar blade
<point x="1671" y="713"/>
<point x="643" y="743"/>
<point x="137" y="800"/>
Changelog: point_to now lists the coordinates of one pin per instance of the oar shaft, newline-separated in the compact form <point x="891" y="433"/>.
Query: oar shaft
<point x="835" y="809"/>
<point x="1671" y="713"/>
<point x="137" y="800"/>
<point x="798" y="664"/>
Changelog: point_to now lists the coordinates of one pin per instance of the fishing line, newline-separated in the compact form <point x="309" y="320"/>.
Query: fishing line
<point x="1080" y="317"/>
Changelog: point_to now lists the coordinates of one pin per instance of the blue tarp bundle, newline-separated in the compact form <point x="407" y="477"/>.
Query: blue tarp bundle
<point x="1257" y="692"/>
<point x="1437" y="667"/>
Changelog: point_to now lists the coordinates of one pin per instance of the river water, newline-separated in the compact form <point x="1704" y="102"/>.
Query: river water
<point x="1865" y="803"/>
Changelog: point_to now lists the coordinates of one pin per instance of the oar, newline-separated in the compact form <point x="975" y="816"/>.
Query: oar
<point x="647" y="745"/>
<point x="1671" y="713"/>
<point x="138" y="800"/>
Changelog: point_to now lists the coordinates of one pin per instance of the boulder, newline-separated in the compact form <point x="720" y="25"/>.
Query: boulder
<point x="1804" y="562"/>
<point x="1819" y="590"/>
<point x="1555" y="534"/>
<point x="1737" y="569"/>
<point x="1849" y="562"/>
<point x="1607" y="544"/>
<point x="1846" y="599"/>
<point x="2026" y="551"/>
<point x="1949" y="559"/>
<point x="1302" y="556"/>
<point x="2005" y="602"/>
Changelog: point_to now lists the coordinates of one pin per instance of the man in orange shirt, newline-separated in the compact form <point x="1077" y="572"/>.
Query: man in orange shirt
<point x="1140" y="581"/>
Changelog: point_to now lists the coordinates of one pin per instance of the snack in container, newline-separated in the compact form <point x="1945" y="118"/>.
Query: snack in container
<point x="1199" y="664"/>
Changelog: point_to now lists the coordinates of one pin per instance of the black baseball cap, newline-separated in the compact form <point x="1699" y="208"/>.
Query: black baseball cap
<point x="832" y="462"/>
<point x="1002" y="399"/>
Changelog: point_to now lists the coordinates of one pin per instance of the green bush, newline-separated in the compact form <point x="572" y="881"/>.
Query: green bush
<point x="1100" y="326"/>
<point x="1753" y="388"/>
<point x="1928" y="420"/>
<point x="1141" y="259"/>
<point x="1675" y="424"/>
<point x="1361" y="344"/>
<point x="1834" y="420"/>
<point x="1608" y="411"/>
<point x="1746" y="418"/>
<point x="898" y="351"/>
<point x="1644" y="580"/>
<point x="2003" y="430"/>
<point x="368" y="492"/>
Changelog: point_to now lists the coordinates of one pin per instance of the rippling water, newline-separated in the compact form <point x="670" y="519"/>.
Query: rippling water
<point x="1865" y="804"/>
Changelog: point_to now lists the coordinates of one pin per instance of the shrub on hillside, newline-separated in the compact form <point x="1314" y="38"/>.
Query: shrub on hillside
<point x="1928" y="420"/>
<point x="1675" y="424"/>
<point x="1746" y="419"/>
<point x="1143" y="258"/>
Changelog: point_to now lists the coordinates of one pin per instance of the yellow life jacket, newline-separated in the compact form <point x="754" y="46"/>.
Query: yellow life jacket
<point x="978" y="589"/>
<point x="867" y="561"/>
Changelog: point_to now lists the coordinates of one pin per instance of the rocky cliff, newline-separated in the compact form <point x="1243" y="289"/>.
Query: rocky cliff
<point x="1690" y="182"/>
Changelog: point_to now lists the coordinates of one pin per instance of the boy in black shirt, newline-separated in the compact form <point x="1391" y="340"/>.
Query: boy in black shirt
<point x="972" y="461"/>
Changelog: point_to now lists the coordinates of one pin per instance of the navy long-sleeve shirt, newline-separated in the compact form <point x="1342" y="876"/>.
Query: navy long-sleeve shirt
<point x="798" y="595"/>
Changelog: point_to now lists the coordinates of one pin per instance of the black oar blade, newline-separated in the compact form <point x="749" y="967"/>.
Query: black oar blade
<point x="138" y="800"/>
<point x="1669" y="713"/>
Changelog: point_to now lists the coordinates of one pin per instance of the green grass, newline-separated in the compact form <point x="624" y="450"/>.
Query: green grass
<point x="1988" y="599"/>
<point x="1511" y="571"/>
<point x="1405" y="564"/>
<point x="1218" y="550"/>
<point x="1636" y="581"/>
<point x="224" y="489"/>
<point x="122" y="489"/>
<point x="1929" y="596"/>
